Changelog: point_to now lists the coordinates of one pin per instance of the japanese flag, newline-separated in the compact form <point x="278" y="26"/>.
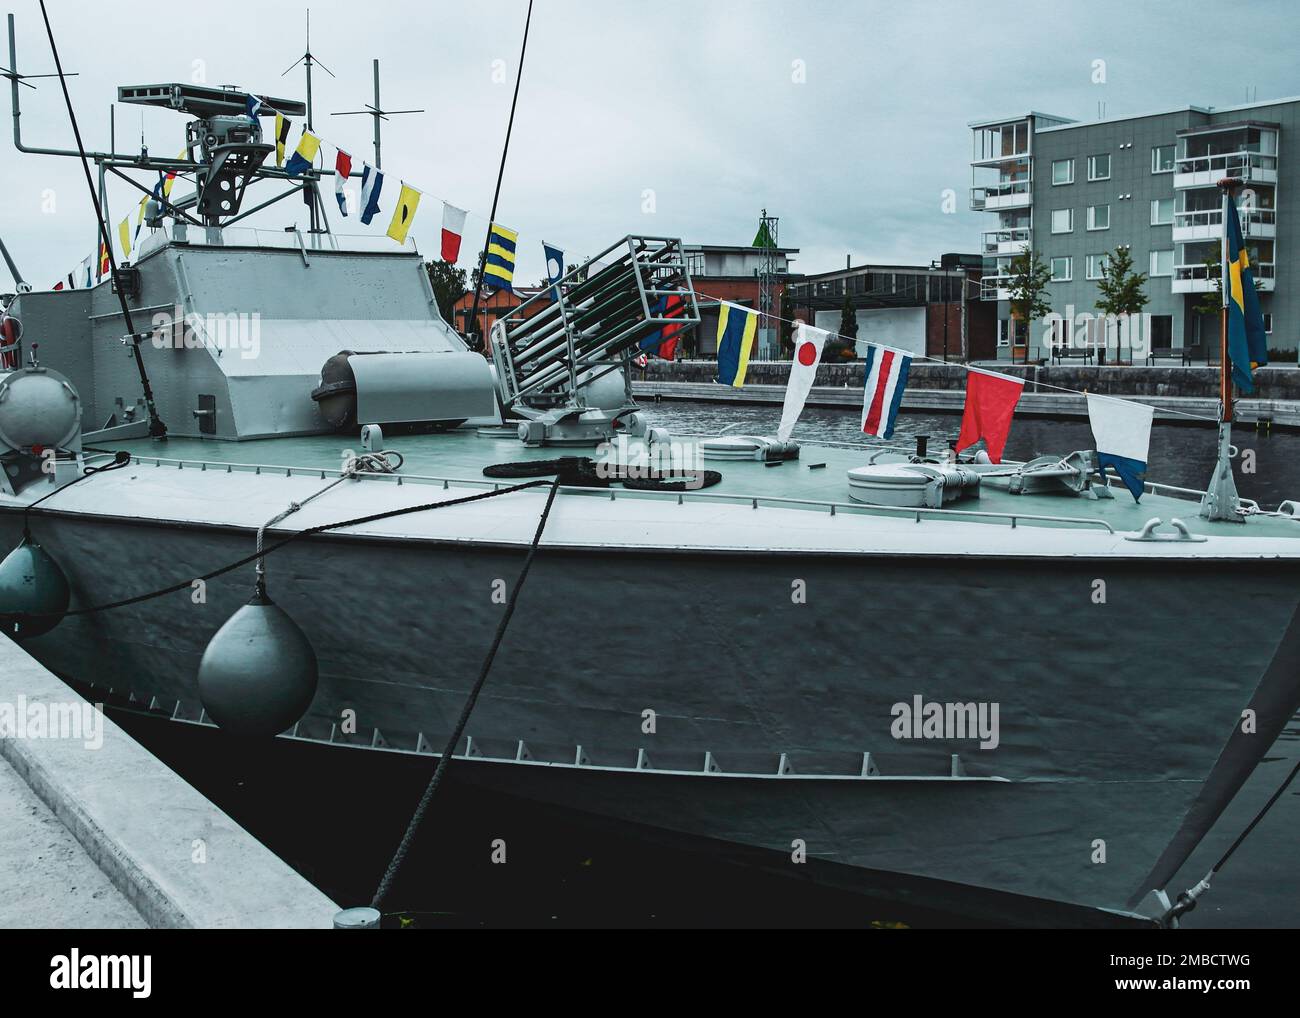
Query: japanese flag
<point x="808" y="343"/>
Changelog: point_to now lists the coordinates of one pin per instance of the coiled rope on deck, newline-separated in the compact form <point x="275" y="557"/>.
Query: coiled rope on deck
<point x="404" y="846"/>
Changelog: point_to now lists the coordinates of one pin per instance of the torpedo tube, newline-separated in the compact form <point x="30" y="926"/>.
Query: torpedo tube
<point x="259" y="672"/>
<point x="34" y="592"/>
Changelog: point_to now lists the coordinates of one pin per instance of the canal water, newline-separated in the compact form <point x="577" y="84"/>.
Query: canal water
<point x="337" y="815"/>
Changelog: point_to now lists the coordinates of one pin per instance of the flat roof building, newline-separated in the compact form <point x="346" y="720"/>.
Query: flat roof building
<point x="1074" y="192"/>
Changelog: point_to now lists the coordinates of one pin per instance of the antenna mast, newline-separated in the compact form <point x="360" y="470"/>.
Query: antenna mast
<point x="308" y="61"/>
<point x="376" y="111"/>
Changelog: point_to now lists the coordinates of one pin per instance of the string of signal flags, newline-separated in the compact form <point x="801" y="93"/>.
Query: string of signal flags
<point x="498" y="271"/>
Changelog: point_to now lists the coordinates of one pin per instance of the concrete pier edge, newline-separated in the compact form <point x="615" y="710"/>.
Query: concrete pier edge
<point x="136" y="819"/>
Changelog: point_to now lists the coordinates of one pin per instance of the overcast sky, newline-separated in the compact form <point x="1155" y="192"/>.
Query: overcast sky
<point x="691" y="107"/>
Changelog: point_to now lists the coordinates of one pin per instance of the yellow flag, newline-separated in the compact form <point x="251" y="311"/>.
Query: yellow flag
<point x="408" y="201"/>
<point x="124" y="234"/>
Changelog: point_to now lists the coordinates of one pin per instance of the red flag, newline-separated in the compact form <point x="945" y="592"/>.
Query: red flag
<point x="990" y="402"/>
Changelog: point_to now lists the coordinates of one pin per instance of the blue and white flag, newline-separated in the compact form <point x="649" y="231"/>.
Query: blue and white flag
<point x="886" y="377"/>
<point x="372" y="180"/>
<point x="1122" y="431"/>
<point x="254" y="107"/>
<point x="554" y="268"/>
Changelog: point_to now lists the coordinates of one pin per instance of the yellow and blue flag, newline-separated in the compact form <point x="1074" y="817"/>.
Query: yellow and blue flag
<point x="737" y="327"/>
<point x="499" y="265"/>
<point x="305" y="157"/>
<point x="1247" y="342"/>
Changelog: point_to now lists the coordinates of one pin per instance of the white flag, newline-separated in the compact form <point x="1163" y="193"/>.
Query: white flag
<point x="808" y="343"/>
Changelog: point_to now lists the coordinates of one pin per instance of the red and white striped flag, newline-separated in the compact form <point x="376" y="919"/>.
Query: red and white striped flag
<point x="886" y="377"/>
<point x="453" y="228"/>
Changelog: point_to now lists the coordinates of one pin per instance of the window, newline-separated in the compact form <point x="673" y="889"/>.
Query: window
<point x="1093" y="265"/>
<point x="1162" y="211"/>
<point x="1268" y="324"/>
<point x="1099" y="167"/>
<point x="1004" y="332"/>
<point x="1162" y="263"/>
<point x="1162" y="159"/>
<point x="1062" y="220"/>
<point x="1062" y="270"/>
<point x="1099" y="217"/>
<point x="1062" y="171"/>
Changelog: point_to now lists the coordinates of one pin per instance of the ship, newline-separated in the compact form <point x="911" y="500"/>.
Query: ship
<point x="254" y="480"/>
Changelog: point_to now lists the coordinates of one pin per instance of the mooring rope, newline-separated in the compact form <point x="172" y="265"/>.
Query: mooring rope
<point x="1187" y="900"/>
<point x="187" y="584"/>
<point x="404" y="846"/>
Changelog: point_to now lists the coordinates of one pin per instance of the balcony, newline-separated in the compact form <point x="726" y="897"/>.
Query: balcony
<point x="1207" y="224"/>
<point x="995" y="288"/>
<point x="1206" y="171"/>
<point x="1011" y="241"/>
<point x="1204" y="278"/>
<point x="1010" y="194"/>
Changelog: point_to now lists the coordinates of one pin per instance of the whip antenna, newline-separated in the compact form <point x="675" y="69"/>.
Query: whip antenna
<point x="157" y="428"/>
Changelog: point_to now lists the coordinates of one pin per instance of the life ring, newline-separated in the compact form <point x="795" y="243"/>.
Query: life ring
<point x="11" y="331"/>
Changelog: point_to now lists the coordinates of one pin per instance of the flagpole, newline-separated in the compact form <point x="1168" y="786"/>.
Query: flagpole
<point x="1226" y="185"/>
<point x="1220" y="501"/>
<point x="501" y="171"/>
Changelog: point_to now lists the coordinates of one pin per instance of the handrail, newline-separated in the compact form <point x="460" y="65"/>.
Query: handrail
<point x="867" y="508"/>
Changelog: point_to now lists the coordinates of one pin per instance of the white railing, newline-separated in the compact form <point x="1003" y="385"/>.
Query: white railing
<point x="994" y="240"/>
<point x="247" y="236"/>
<point x="1228" y="164"/>
<point x="1002" y="193"/>
<point x="1214" y="218"/>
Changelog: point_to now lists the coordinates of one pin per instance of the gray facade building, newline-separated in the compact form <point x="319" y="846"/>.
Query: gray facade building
<point x="1075" y="192"/>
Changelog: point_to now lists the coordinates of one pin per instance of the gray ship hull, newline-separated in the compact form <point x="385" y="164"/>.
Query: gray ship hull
<point x="1111" y="715"/>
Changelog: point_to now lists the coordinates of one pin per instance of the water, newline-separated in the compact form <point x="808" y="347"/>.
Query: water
<point x="1183" y="455"/>
<point x="336" y="815"/>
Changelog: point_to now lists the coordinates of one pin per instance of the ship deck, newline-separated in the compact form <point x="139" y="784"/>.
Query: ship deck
<point x="815" y="481"/>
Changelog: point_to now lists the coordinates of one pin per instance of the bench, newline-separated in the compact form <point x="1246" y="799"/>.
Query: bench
<point x="1182" y="354"/>
<point x="1206" y="352"/>
<point x="1060" y="353"/>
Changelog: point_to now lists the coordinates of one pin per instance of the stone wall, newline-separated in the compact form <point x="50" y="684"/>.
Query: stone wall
<point x="1270" y="382"/>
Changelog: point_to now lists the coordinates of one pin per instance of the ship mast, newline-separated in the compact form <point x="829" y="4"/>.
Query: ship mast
<point x="312" y="192"/>
<point x="1220" y="501"/>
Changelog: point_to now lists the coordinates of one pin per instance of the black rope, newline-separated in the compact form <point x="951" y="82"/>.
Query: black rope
<point x="417" y="817"/>
<point x="188" y="583"/>
<point x="156" y="426"/>
<point x="471" y="326"/>
<point x="120" y="459"/>
<point x="1258" y="817"/>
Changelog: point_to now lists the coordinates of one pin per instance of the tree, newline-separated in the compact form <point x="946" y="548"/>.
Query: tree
<point x="1120" y="289"/>
<point x="448" y="284"/>
<point x="1211" y="302"/>
<point x="843" y="347"/>
<point x="1027" y="286"/>
<point x="787" y="322"/>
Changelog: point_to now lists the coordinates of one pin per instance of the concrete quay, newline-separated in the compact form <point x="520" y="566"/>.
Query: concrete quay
<point x="95" y="832"/>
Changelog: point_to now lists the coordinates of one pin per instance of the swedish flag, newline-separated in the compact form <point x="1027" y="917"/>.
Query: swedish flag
<point x="499" y="267"/>
<point x="1247" y="342"/>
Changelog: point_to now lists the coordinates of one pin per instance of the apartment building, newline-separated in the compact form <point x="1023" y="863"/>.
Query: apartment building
<point x="1074" y="192"/>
